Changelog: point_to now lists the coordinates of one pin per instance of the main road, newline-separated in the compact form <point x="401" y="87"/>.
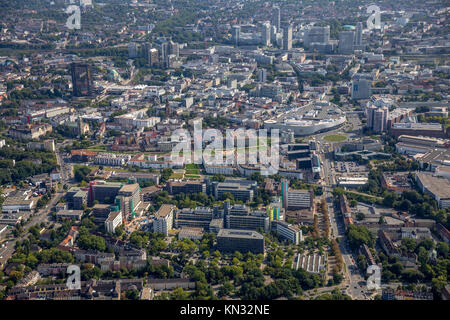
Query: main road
<point x="41" y="215"/>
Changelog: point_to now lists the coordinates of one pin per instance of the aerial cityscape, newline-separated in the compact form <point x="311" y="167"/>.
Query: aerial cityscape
<point x="224" y="150"/>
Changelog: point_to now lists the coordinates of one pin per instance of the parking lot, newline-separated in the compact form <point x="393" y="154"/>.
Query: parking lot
<point x="349" y="167"/>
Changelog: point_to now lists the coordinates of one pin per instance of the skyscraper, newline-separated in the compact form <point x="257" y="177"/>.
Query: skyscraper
<point x="276" y="18"/>
<point x="361" y="89"/>
<point x="358" y="37"/>
<point x="287" y="37"/>
<point x="262" y="75"/>
<point x="236" y="34"/>
<point x="81" y="79"/>
<point x="132" y="50"/>
<point x="265" y="34"/>
<point x="165" y="51"/>
<point x="284" y="193"/>
<point x="174" y="48"/>
<point x="317" y="35"/>
<point x="346" y="39"/>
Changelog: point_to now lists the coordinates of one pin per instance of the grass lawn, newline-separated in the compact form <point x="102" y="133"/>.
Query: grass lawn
<point x="192" y="176"/>
<point x="335" y="138"/>
<point x="177" y="175"/>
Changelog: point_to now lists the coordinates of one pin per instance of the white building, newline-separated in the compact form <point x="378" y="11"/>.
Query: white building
<point x="114" y="220"/>
<point x="164" y="219"/>
<point x="112" y="159"/>
<point x="288" y="231"/>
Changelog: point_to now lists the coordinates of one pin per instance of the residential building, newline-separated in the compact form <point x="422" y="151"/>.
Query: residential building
<point x="113" y="221"/>
<point x="163" y="221"/>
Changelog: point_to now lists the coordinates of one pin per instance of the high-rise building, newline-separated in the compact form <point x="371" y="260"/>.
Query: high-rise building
<point x="276" y="18"/>
<point x="377" y="118"/>
<point x="236" y="34"/>
<point x="370" y="110"/>
<point x="132" y="50"/>
<point x="163" y="221"/>
<point x="165" y="51"/>
<point x="262" y="75"/>
<point x="317" y="35"/>
<point x="287" y="37"/>
<point x="361" y="89"/>
<point x="358" y="36"/>
<point x="174" y="48"/>
<point x="82" y="82"/>
<point x="130" y="199"/>
<point x="346" y="39"/>
<point x="153" y="57"/>
<point x="284" y="192"/>
<point x="265" y="34"/>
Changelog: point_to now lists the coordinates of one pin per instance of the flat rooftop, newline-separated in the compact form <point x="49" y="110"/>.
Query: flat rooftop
<point x="242" y="234"/>
<point x="164" y="210"/>
<point x="129" y="188"/>
<point x="438" y="186"/>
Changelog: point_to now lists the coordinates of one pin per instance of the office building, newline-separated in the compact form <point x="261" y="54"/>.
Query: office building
<point x="240" y="217"/>
<point x="299" y="199"/>
<point x="346" y="39"/>
<point x="284" y="193"/>
<point x="238" y="190"/>
<point x="361" y="89"/>
<point x="438" y="188"/>
<point x="132" y="50"/>
<point x="230" y="240"/>
<point x="277" y="18"/>
<point x="199" y="217"/>
<point x="262" y="75"/>
<point x="358" y="36"/>
<point x="287" y="37"/>
<point x="235" y="34"/>
<point x="317" y="35"/>
<point x="100" y="213"/>
<point x="153" y="57"/>
<point x="69" y="214"/>
<point x="417" y="129"/>
<point x="164" y="54"/>
<point x="190" y="233"/>
<point x="103" y="192"/>
<point x="163" y="221"/>
<point x="265" y="34"/>
<point x="76" y="198"/>
<point x="129" y="196"/>
<point x="174" y="48"/>
<point x="174" y="187"/>
<point x="82" y="82"/>
<point x="287" y="231"/>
